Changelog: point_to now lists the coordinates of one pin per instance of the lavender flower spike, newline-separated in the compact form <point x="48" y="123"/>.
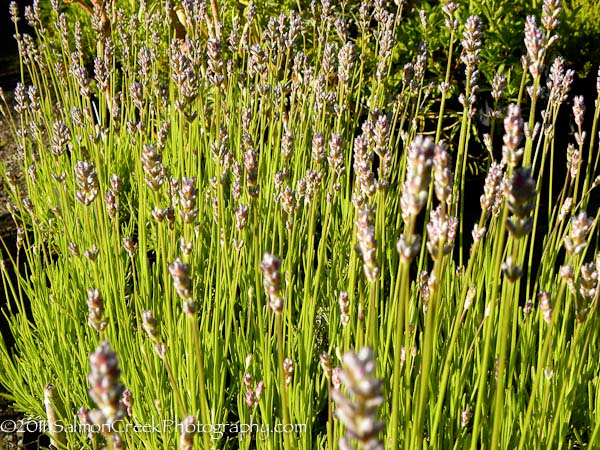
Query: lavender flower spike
<point x="418" y="177"/>
<point x="357" y="409"/>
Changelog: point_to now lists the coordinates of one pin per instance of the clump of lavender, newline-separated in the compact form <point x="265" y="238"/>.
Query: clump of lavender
<point x="357" y="409"/>
<point x="87" y="181"/>
<point x="270" y="267"/>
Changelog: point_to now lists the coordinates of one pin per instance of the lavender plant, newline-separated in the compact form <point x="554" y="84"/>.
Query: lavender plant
<point x="218" y="205"/>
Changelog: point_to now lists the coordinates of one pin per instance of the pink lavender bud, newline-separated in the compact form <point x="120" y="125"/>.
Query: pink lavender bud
<point x="449" y="8"/>
<point x="326" y="364"/>
<point x="287" y="145"/>
<point x="61" y="136"/>
<point x="92" y="253"/>
<point x="106" y="390"/>
<point x="270" y="267"/>
<point x="550" y="11"/>
<point x="578" y="110"/>
<point x="95" y="305"/>
<point x="182" y="282"/>
<point x="251" y="165"/>
<point x="418" y="177"/>
<point x="440" y="231"/>
<point x="579" y="229"/>
<point x="130" y="246"/>
<point x="344" y="303"/>
<point x="83" y="80"/>
<point x="153" y="167"/>
<point x="318" y="148"/>
<point x="358" y="409"/>
<point x="87" y="181"/>
<point x="187" y="200"/>
<point x="492" y="188"/>
<point x="545" y="305"/>
<point x="150" y="325"/>
<point x="498" y="86"/>
<point x="112" y="204"/>
<point x="511" y="153"/>
<point x="559" y="81"/>
<point x="534" y="42"/>
<point x="588" y="281"/>
<point x="260" y="388"/>
<point x="13" y="10"/>
<point x="363" y="158"/>
<point x="247" y="379"/>
<point x="346" y="62"/>
<point x="250" y="399"/>
<point x="188" y="432"/>
<point x="336" y="155"/>
<point x="471" y="42"/>
<point x="367" y="244"/>
<point x="465" y="418"/>
<point x="443" y="175"/>
<point x="128" y="401"/>
<point x="521" y="197"/>
<point x="409" y="247"/>
<point x="288" y="371"/>
<point x="511" y="270"/>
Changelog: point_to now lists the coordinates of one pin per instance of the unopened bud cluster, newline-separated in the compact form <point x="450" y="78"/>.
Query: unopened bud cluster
<point x="357" y="409"/>
<point x="182" y="281"/>
<point x="521" y="196"/>
<point x="106" y="390"/>
<point x="95" y="305"/>
<point x="270" y="267"/>
<point x="87" y="182"/>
